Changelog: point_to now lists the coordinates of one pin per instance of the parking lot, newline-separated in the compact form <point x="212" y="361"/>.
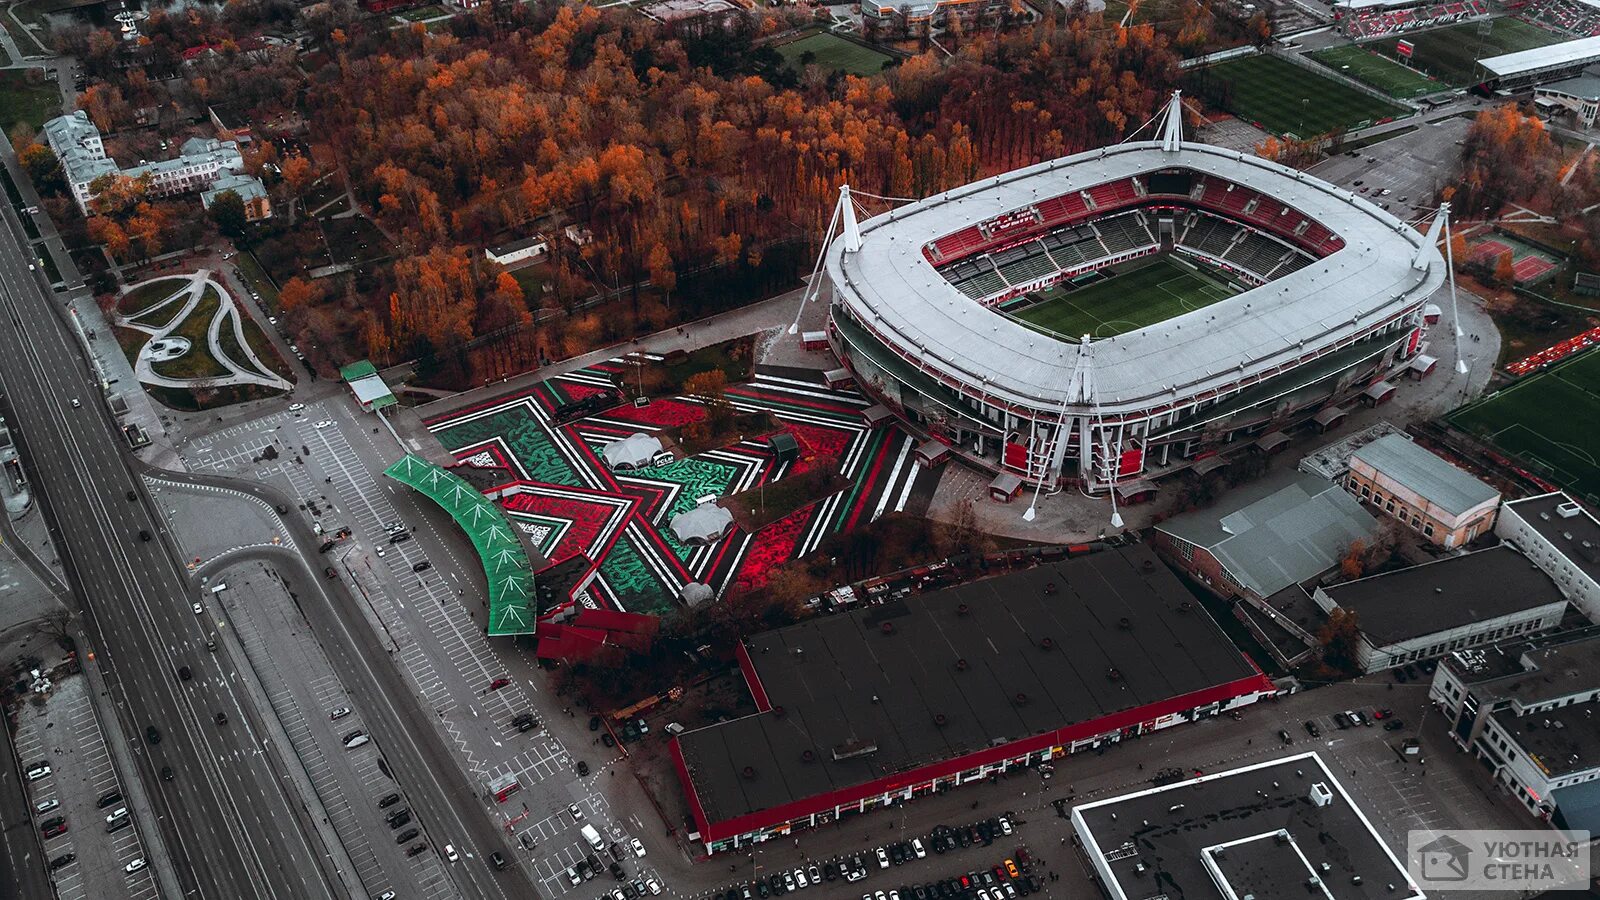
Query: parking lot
<point x="65" y="734"/>
<point x="1401" y="174"/>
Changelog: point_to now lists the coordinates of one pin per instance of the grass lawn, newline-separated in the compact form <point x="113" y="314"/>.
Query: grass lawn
<point x="1450" y="54"/>
<point x="1547" y="421"/>
<point x="232" y="350"/>
<point x="147" y="295"/>
<point x="1124" y="302"/>
<point x="422" y="13"/>
<point x="198" y="362"/>
<point x="1286" y="99"/>
<point x="252" y="274"/>
<point x="833" y="53"/>
<point x="1381" y="72"/>
<point x="268" y="354"/>
<point x="355" y="241"/>
<point x="26" y="97"/>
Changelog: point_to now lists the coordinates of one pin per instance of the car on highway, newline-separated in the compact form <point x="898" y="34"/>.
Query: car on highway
<point x="222" y="718"/>
<point x="406" y="836"/>
<point x="44" y="806"/>
<point x="497" y="859"/>
<point x="166" y="773"/>
<point x="152" y="734"/>
<point x="75" y="403"/>
<point x="450" y="852"/>
<point x="135" y="866"/>
<point x="37" y="771"/>
<point x="62" y="861"/>
<point x="185" y="673"/>
<point x="339" y="713"/>
<point x="355" y="739"/>
<point x="198" y="609"/>
<point x="144" y="535"/>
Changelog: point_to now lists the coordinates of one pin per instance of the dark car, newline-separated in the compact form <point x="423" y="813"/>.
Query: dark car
<point x="497" y="860"/>
<point x="616" y="871"/>
<point x="56" y="830"/>
<point x="388" y="800"/>
<point x="583" y="768"/>
<point x="1312" y="729"/>
<point x="152" y="734"/>
<point x="830" y="871"/>
<point x="144" y="535"/>
<point x="1341" y="720"/>
<point x="1393" y="725"/>
<point x="166" y="773"/>
<point x="406" y="836"/>
<point x="51" y="823"/>
<point x="107" y="799"/>
<point x="594" y="723"/>
<point x="1283" y="735"/>
<point x="415" y="849"/>
<point x="400" y="538"/>
<point x="762" y="890"/>
<point x="400" y="818"/>
<point x="422" y="566"/>
<point x="607" y="739"/>
<point x="62" y="861"/>
<point x="331" y="572"/>
<point x="222" y="718"/>
<point x="525" y="722"/>
<point x="185" y="673"/>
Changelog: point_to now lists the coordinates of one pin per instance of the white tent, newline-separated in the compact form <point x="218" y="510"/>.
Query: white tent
<point x="705" y="524"/>
<point x="636" y="451"/>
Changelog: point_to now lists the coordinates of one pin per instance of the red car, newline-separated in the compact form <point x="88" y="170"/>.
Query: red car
<point x="55" y="829"/>
<point x="498" y="683"/>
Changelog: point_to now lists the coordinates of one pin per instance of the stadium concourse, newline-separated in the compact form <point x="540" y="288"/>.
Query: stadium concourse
<point x="1016" y="320"/>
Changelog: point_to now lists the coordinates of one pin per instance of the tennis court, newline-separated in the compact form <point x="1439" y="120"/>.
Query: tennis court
<point x="1547" y="422"/>
<point x="1122" y="302"/>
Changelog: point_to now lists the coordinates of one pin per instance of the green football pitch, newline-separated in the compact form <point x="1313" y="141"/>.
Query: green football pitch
<point x="1547" y="421"/>
<point x="1124" y="302"/>
<point x="1286" y="99"/>
<point x="1378" y="71"/>
<point x="1451" y="54"/>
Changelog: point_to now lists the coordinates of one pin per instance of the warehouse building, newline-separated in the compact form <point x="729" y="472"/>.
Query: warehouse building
<point x="1563" y="539"/>
<point x="911" y="697"/>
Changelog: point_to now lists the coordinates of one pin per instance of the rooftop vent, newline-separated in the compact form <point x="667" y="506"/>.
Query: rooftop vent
<point x="1125" y="623"/>
<point x="1569" y="509"/>
<point x="777" y="712"/>
<point x="808" y="756"/>
<point x="1020" y="699"/>
<point x="887" y="628"/>
<point x="940" y="719"/>
<point x="961" y="664"/>
<point x="1050" y="587"/>
<point x="1046" y="643"/>
<point x="749" y="772"/>
<point x="1114" y="673"/>
<point x="961" y="609"/>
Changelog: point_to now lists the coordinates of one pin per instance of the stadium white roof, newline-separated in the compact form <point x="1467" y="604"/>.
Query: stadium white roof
<point x="1566" y="53"/>
<point x="891" y="286"/>
<point x="1373" y="4"/>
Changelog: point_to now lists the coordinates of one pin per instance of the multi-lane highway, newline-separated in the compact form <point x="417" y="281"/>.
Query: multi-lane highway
<point x="226" y="817"/>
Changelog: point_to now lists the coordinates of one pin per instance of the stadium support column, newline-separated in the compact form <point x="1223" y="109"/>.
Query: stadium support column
<point x="1440" y="230"/>
<point x="1172" y="128"/>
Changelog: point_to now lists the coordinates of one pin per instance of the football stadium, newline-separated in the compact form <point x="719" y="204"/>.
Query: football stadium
<point x="1104" y="319"/>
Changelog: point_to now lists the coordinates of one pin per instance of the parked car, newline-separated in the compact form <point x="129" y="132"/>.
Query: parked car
<point x="1283" y="735"/>
<point x="1312" y="729"/>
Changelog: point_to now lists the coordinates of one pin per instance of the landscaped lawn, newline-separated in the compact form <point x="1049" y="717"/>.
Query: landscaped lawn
<point x="1451" y="54"/>
<point x="1379" y="71"/>
<point x="832" y="53"/>
<point x="257" y="339"/>
<point x="198" y="362"/>
<point x="147" y="295"/>
<point x="254" y="276"/>
<point x="1286" y="99"/>
<point x="26" y="96"/>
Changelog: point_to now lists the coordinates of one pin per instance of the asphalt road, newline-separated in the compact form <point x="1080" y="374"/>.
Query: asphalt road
<point x="437" y="790"/>
<point x="225" y="819"/>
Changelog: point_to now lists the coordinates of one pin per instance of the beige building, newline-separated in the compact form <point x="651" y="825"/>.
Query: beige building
<point x="1428" y="495"/>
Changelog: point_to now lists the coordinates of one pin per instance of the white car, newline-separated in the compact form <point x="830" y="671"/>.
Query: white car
<point x="800" y="878"/>
<point x="638" y="847"/>
<point x="135" y="866"/>
<point x="922" y="852"/>
<point x="577" y="814"/>
<point x="883" y="858"/>
<point x="339" y="713"/>
<point x="652" y="885"/>
<point x="38" y="772"/>
<point x="198" y="609"/>
<point x="324" y="423"/>
<point x="44" y="806"/>
<point x="573" y="876"/>
<point x="272" y="320"/>
<point x="296" y="407"/>
<point x="450" y="852"/>
<point x="229" y="254"/>
<point x="356" y="741"/>
<point x="75" y="403"/>
<point x="855" y="875"/>
<point x="1005" y="825"/>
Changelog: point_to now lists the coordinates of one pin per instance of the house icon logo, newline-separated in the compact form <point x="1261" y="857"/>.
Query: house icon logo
<point x="1444" y="859"/>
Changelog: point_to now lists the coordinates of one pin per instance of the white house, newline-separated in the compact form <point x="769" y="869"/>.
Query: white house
<point x="1563" y="539"/>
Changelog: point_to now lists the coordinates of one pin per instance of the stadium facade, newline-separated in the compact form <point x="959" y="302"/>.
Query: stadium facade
<point x="1330" y="291"/>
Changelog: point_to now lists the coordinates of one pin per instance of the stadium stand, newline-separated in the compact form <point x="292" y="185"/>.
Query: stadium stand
<point x="1068" y="248"/>
<point x="1209" y="235"/>
<point x="1377" y="21"/>
<point x="1579" y="18"/>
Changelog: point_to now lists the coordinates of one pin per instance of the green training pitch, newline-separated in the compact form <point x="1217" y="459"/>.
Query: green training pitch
<point x="1378" y="71"/>
<point x="1547" y="422"/>
<point x="832" y="53"/>
<point x="1125" y="302"/>
<point x="1451" y="54"/>
<point x="1286" y="99"/>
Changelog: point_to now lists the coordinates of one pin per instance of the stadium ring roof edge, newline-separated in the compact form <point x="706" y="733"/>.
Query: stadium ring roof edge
<point x="1138" y="369"/>
<point x="505" y="562"/>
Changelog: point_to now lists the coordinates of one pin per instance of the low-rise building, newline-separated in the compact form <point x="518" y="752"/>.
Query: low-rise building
<point x="1447" y="506"/>
<point x="1526" y="709"/>
<point x="529" y="248"/>
<point x="1278" y="829"/>
<point x="1563" y="539"/>
<point x="1454" y="603"/>
<point x="257" y="205"/>
<point x="1578" y="96"/>
<point x="77" y="143"/>
<point x="1284" y="529"/>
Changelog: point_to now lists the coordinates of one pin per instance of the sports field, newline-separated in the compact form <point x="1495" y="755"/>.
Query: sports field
<point x="831" y="53"/>
<point x="1380" y="72"/>
<point x="1127" y="302"/>
<point x="1547" y="421"/>
<point x="1286" y="99"/>
<point x="1450" y="54"/>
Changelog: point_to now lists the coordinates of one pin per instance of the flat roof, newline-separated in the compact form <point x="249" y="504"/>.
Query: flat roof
<point x="1585" y="87"/>
<point x="891" y="285"/>
<point x="1254" y="829"/>
<point x="1018" y="656"/>
<point x="1283" y="529"/>
<point x="1559" y="741"/>
<point x="1523" y="61"/>
<point x="1422" y="472"/>
<point x="1445" y="594"/>
<point x="1577" y="536"/>
<point x="1532" y="672"/>
<point x="534" y="240"/>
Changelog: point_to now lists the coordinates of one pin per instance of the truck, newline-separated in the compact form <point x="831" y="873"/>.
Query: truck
<point x="592" y="836"/>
